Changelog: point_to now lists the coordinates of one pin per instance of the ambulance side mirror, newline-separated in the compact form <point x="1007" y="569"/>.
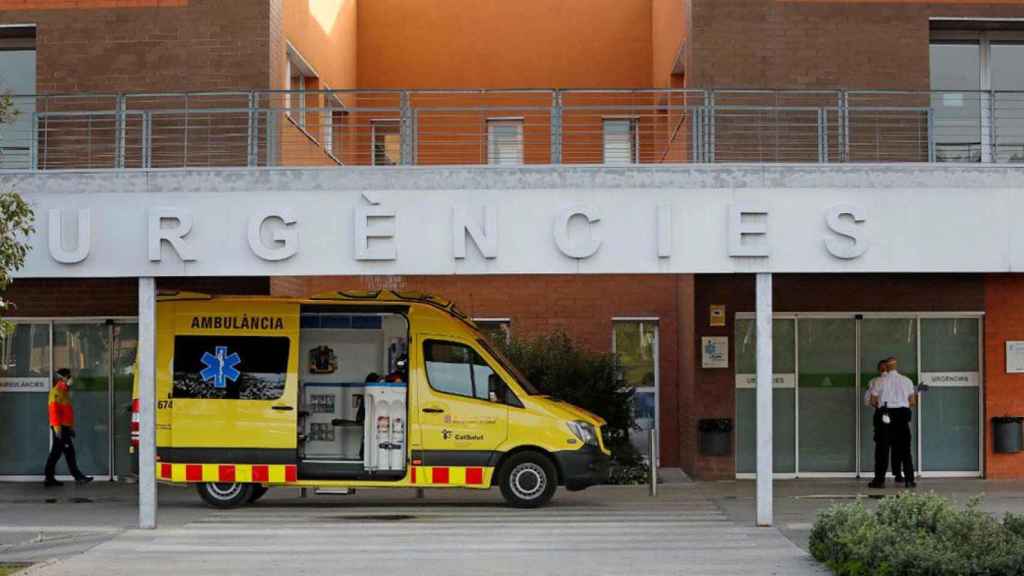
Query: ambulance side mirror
<point x="497" y="391"/>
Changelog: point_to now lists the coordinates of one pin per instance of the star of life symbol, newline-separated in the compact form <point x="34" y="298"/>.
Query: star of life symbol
<point x="220" y="367"/>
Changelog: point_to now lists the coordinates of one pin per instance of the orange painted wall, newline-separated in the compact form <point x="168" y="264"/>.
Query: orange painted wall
<point x="504" y="44"/>
<point x="668" y="32"/>
<point x="324" y="33"/>
<point x="1004" y="393"/>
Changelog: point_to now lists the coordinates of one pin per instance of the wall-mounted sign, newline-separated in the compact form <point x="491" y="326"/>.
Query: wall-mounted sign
<point x="714" y="352"/>
<point x="25" y="384"/>
<point x="717" y="315"/>
<point x="778" y="381"/>
<point x="1014" y="356"/>
<point x="522" y="220"/>
<point x="950" y="379"/>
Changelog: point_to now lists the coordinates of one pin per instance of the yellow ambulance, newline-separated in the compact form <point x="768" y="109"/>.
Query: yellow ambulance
<point x="354" y="390"/>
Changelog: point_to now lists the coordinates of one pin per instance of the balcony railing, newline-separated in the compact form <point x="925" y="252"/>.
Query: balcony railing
<point x="453" y="127"/>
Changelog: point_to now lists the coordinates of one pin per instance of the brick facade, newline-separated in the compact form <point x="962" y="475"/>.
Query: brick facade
<point x="1004" y="393"/>
<point x="98" y="297"/>
<point x="581" y="305"/>
<point x="853" y="44"/>
<point x="154" y="46"/>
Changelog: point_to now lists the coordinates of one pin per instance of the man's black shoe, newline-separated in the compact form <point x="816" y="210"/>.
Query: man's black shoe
<point x="876" y="484"/>
<point x="899" y="478"/>
<point x="52" y="482"/>
<point x="83" y="479"/>
<point x="910" y="483"/>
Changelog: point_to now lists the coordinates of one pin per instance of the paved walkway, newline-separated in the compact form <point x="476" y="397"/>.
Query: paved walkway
<point x="604" y="530"/>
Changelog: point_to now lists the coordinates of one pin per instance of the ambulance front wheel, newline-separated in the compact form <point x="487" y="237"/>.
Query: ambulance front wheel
<point x="528" y="480"/>
<point x="224" y="495"/>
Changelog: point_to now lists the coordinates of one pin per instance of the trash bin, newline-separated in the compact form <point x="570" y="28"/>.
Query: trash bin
<point x="1007" y="434"/>
<point x="715" y="436"/>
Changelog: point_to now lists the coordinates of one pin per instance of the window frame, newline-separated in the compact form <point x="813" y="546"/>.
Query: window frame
<point x="296" y="62"/>
<point x="654" y="321"/>
<point x="504" y="323"/>
<point x="391" y="122"/>
<point x="634" y="139"/>
<point x="477" y="353"/>
<point x="493" y="151"/>
<point x="19" y="155"/>
<point x="984" y="40"/>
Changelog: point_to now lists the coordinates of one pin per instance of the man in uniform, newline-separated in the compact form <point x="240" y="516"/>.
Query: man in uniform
<point x="880" y="425"/>
<point x="62" y="422"/>
<point x="880" y="429"/>
<point x="893" y="395"/>
<point x="906" y="398"/>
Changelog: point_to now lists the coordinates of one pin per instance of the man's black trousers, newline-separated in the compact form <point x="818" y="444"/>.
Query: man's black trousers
<point x="67" y="448"/>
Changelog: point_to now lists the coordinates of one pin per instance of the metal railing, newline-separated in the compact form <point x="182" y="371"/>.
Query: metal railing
<point x="452" y="127"/>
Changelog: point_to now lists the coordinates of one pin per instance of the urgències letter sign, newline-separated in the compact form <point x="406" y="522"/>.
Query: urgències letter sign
<point x="290" y="232"/>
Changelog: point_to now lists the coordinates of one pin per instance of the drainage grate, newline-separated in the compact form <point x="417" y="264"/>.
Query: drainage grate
<point x="839" y="497"/>
<point x="367" y="518"/>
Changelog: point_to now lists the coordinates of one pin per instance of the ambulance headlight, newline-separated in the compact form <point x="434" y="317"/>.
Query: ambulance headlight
<point x="584" y="431"/>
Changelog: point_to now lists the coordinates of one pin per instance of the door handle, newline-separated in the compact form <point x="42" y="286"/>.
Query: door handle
<point x="283" y="407"/>
<point x="433" y="410"/>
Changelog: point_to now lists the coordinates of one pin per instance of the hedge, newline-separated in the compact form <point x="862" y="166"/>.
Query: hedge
<point x="918" y="534"/>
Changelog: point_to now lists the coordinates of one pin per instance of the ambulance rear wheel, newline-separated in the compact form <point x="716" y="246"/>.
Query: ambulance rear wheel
<point x="224" y="494"/>
<point x="528" y="480"/>
<point x="258" y="490"/>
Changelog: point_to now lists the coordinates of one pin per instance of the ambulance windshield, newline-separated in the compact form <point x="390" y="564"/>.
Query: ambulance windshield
<point x="510" y="368"/>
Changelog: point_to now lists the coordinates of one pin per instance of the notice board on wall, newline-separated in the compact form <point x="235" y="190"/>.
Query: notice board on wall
<point x="1014" y="356"/>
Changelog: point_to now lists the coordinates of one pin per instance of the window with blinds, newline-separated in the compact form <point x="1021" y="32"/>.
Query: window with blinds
<point x="620" y="141"/>
<point x="505" y="142"/>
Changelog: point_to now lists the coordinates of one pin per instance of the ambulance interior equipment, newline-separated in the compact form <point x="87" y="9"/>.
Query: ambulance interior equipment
<point x="353" y="390"/>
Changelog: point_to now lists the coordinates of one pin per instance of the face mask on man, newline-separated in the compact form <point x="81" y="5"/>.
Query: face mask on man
<point x="67" y="382"/>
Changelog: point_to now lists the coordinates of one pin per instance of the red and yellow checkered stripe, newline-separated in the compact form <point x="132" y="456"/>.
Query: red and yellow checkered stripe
<point x="450" y="476"/>
<point x="473" y="476"/>
<point x="263" y="473"/>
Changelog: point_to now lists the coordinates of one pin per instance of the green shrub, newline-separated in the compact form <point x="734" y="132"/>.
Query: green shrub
<point x="918" y="535"/>
<point x="558" y="366"/>
<point x="1014" y="523"/>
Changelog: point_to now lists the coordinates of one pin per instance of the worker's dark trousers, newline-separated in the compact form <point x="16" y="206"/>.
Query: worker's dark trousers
<point x="65" y="447"/>
<point x="883" y="440"/>
<point x="900" y="438"/>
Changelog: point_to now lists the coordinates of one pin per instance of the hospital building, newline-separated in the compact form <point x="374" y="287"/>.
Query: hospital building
<point x="617" y="169"/>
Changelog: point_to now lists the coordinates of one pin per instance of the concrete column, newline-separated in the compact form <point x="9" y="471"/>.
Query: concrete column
<point x="764" y="399"/>
<point x="147" y="402"/>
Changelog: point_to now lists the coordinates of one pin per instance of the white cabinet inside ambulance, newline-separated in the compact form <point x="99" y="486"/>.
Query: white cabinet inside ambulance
<point x="353" y="390"/>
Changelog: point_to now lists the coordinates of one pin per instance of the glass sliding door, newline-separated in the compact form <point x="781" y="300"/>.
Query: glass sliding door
<point x="24" y="390"/>
<point x="826" y="388"/>
<point x="881" y="338"/>
<point x="783" y="395"/>
<point x="636" y="344"/>
<point x="950" y="425"/>
<point x="831" y="359"/>
<point x="125" y="343"/>
<point x="84" y="348"/>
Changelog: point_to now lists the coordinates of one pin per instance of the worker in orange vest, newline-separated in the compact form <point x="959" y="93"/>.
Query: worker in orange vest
<point x="62" y="422"/>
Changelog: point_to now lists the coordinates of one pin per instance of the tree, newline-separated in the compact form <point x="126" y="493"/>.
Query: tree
<point x="559" y="366"/>
<point x="16" y="219"/>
